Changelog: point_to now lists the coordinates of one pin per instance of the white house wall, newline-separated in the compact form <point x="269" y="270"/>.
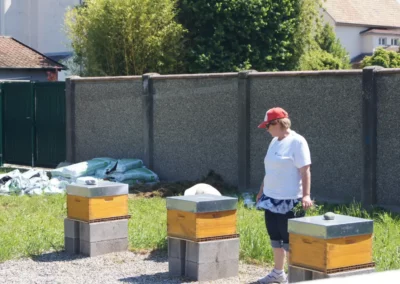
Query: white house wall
<point x="368" y="43"/>
<point x="350" y="38"/>
<point x="38" y="24"/>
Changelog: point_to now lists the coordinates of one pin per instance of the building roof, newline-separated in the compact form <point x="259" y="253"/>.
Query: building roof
<point x="370" y="13"/>
<point x="16" y="55"/>
<point x="381" y="31"/>
<point x="359" y="58"/>
<point x="395" y="48"/>
<point x="59" y="56"/>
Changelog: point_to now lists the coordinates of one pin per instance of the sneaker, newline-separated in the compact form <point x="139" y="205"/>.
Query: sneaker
<point x="274" y="277"/>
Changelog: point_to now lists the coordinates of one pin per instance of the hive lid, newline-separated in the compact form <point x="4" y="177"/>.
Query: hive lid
<point x="340" y="226"/>
<point x="201" y="203"/>
<point x="102" y="188"/>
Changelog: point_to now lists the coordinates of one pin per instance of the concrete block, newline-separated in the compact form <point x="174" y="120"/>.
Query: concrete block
<point x="103" y="247"/>
<point x="71" y="228"/>
<point x="71" y="245"/>
<point x="212" y="251"/>
<point x="298" y="274"/>
<point x="212" y="270"/>
<point x="103" y="231"/>
<point x="320" y="275"/>
<point x="176" y="248"/>
<point x="176" y="266"/>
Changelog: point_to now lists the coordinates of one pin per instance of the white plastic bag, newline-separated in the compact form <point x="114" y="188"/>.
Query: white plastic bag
<point x="80" y="169"/>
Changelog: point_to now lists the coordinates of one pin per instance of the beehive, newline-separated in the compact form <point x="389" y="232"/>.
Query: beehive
<point x="95" y="202"/>
<point x="343" y="243"/>
<point x="199" y="217"/>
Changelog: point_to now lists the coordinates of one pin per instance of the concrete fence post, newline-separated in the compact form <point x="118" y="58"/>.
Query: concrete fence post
<point x="243" y="130"/>
<point x="70" y="118"/>
<point x="369" y="139"/>
<point x="148" y="142"/>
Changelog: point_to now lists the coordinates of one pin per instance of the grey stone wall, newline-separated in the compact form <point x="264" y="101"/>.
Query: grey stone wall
<point x="108" y="118"/>
<point x="195" y="127"/>
<point x="388" y="130"/>
<point x="326" y="109"/>
<point x="182" y="126"/>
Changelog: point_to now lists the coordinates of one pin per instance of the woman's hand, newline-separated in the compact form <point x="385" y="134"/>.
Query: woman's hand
<point x="306" y="202"/>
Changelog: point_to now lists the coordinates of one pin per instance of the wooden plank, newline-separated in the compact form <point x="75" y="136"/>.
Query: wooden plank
<point x="181" y="224"/>
<point x="77" y="207"/>
<point x="193" y="226"/>
<point x="108" y="206"/>
<point x="324" y="254"/>
<point x="213" y="224"/>
<point x="349" y="251"/>
<point x="87" y="209"/>
<point x="307" y="252"/>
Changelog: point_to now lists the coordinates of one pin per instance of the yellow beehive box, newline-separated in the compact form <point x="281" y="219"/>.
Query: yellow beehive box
<point x="93" y="202"/>
<point x="201" y="216"/>
<point x="343" y="243"/>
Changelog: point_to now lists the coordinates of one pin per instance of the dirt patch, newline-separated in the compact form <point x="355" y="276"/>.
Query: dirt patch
<point x="165" y="189"/>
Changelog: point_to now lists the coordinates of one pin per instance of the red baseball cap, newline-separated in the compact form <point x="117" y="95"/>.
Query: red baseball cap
<point x="273" y="114"/>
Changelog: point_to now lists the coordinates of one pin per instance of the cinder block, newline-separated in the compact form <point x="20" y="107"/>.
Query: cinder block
<point x="71" y="228"/>
<point x="71" y="245"/>
<point x="212" y="251"/>
<point x="296" y="274"/>
<point x="176" y="248"/>
<point x="103" y="247"/>
<point x="176" y="266"/>
<point x="212" y="270"/>
<point x="320" y="275"/>
<point x="103" y="231"/>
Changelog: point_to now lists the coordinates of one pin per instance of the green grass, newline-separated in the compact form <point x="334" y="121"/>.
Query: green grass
<point x="5" y="170"/>
<point x="33" y="225"/>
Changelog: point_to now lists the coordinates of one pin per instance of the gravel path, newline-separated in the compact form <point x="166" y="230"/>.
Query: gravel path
<point x="125" y="267"/>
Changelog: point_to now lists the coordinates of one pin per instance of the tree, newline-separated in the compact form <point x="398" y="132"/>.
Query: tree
<point x="321" y="50"/>
<point x="231" y="35"/>
<point x="384" y="58"/>
<point x="266" y="35"/>
<point x="326" y="53"/>
<point x="126" y="37"/>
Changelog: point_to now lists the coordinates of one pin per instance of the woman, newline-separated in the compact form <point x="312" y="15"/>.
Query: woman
<point x="286" y="183"/>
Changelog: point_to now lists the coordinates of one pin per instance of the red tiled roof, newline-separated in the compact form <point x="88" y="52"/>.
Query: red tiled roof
<point x="382" y="31"/>
<point x="14" y="54"/>
<point x="378" y="13"/>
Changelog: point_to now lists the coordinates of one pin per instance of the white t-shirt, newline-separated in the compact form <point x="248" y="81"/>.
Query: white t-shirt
<point x="282" y="163"/>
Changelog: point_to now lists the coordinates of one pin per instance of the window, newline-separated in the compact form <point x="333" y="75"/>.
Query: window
<point x="382" y="41"/>
<point x="395" y="41"/>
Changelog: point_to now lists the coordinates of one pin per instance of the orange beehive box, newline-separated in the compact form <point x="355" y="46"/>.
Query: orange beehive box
<point x="201" y="216"/>
<point x="330" y="245"/>
<point x="93" y="202"/>
<point x="194" y="226"/>
<point x="90" y="209"/>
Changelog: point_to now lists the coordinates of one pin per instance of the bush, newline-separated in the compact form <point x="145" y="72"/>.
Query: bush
<point x="384" y="58"/>
<point x="232" y="35"/>
<point x="126" y="37"/>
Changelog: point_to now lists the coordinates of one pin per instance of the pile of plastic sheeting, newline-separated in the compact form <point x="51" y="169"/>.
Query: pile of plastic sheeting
<point x="32" y="182"/>
<point x="37" y="182"/>
<point x="129" y="171"/>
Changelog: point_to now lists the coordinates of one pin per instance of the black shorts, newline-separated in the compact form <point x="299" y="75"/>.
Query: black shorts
<point x="277" y="227"/>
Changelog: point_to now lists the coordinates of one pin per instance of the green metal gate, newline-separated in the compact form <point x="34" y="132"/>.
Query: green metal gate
<point x="33" y="126"/>
<point x="50" y="123"/>
<point x="18" y="123"/>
